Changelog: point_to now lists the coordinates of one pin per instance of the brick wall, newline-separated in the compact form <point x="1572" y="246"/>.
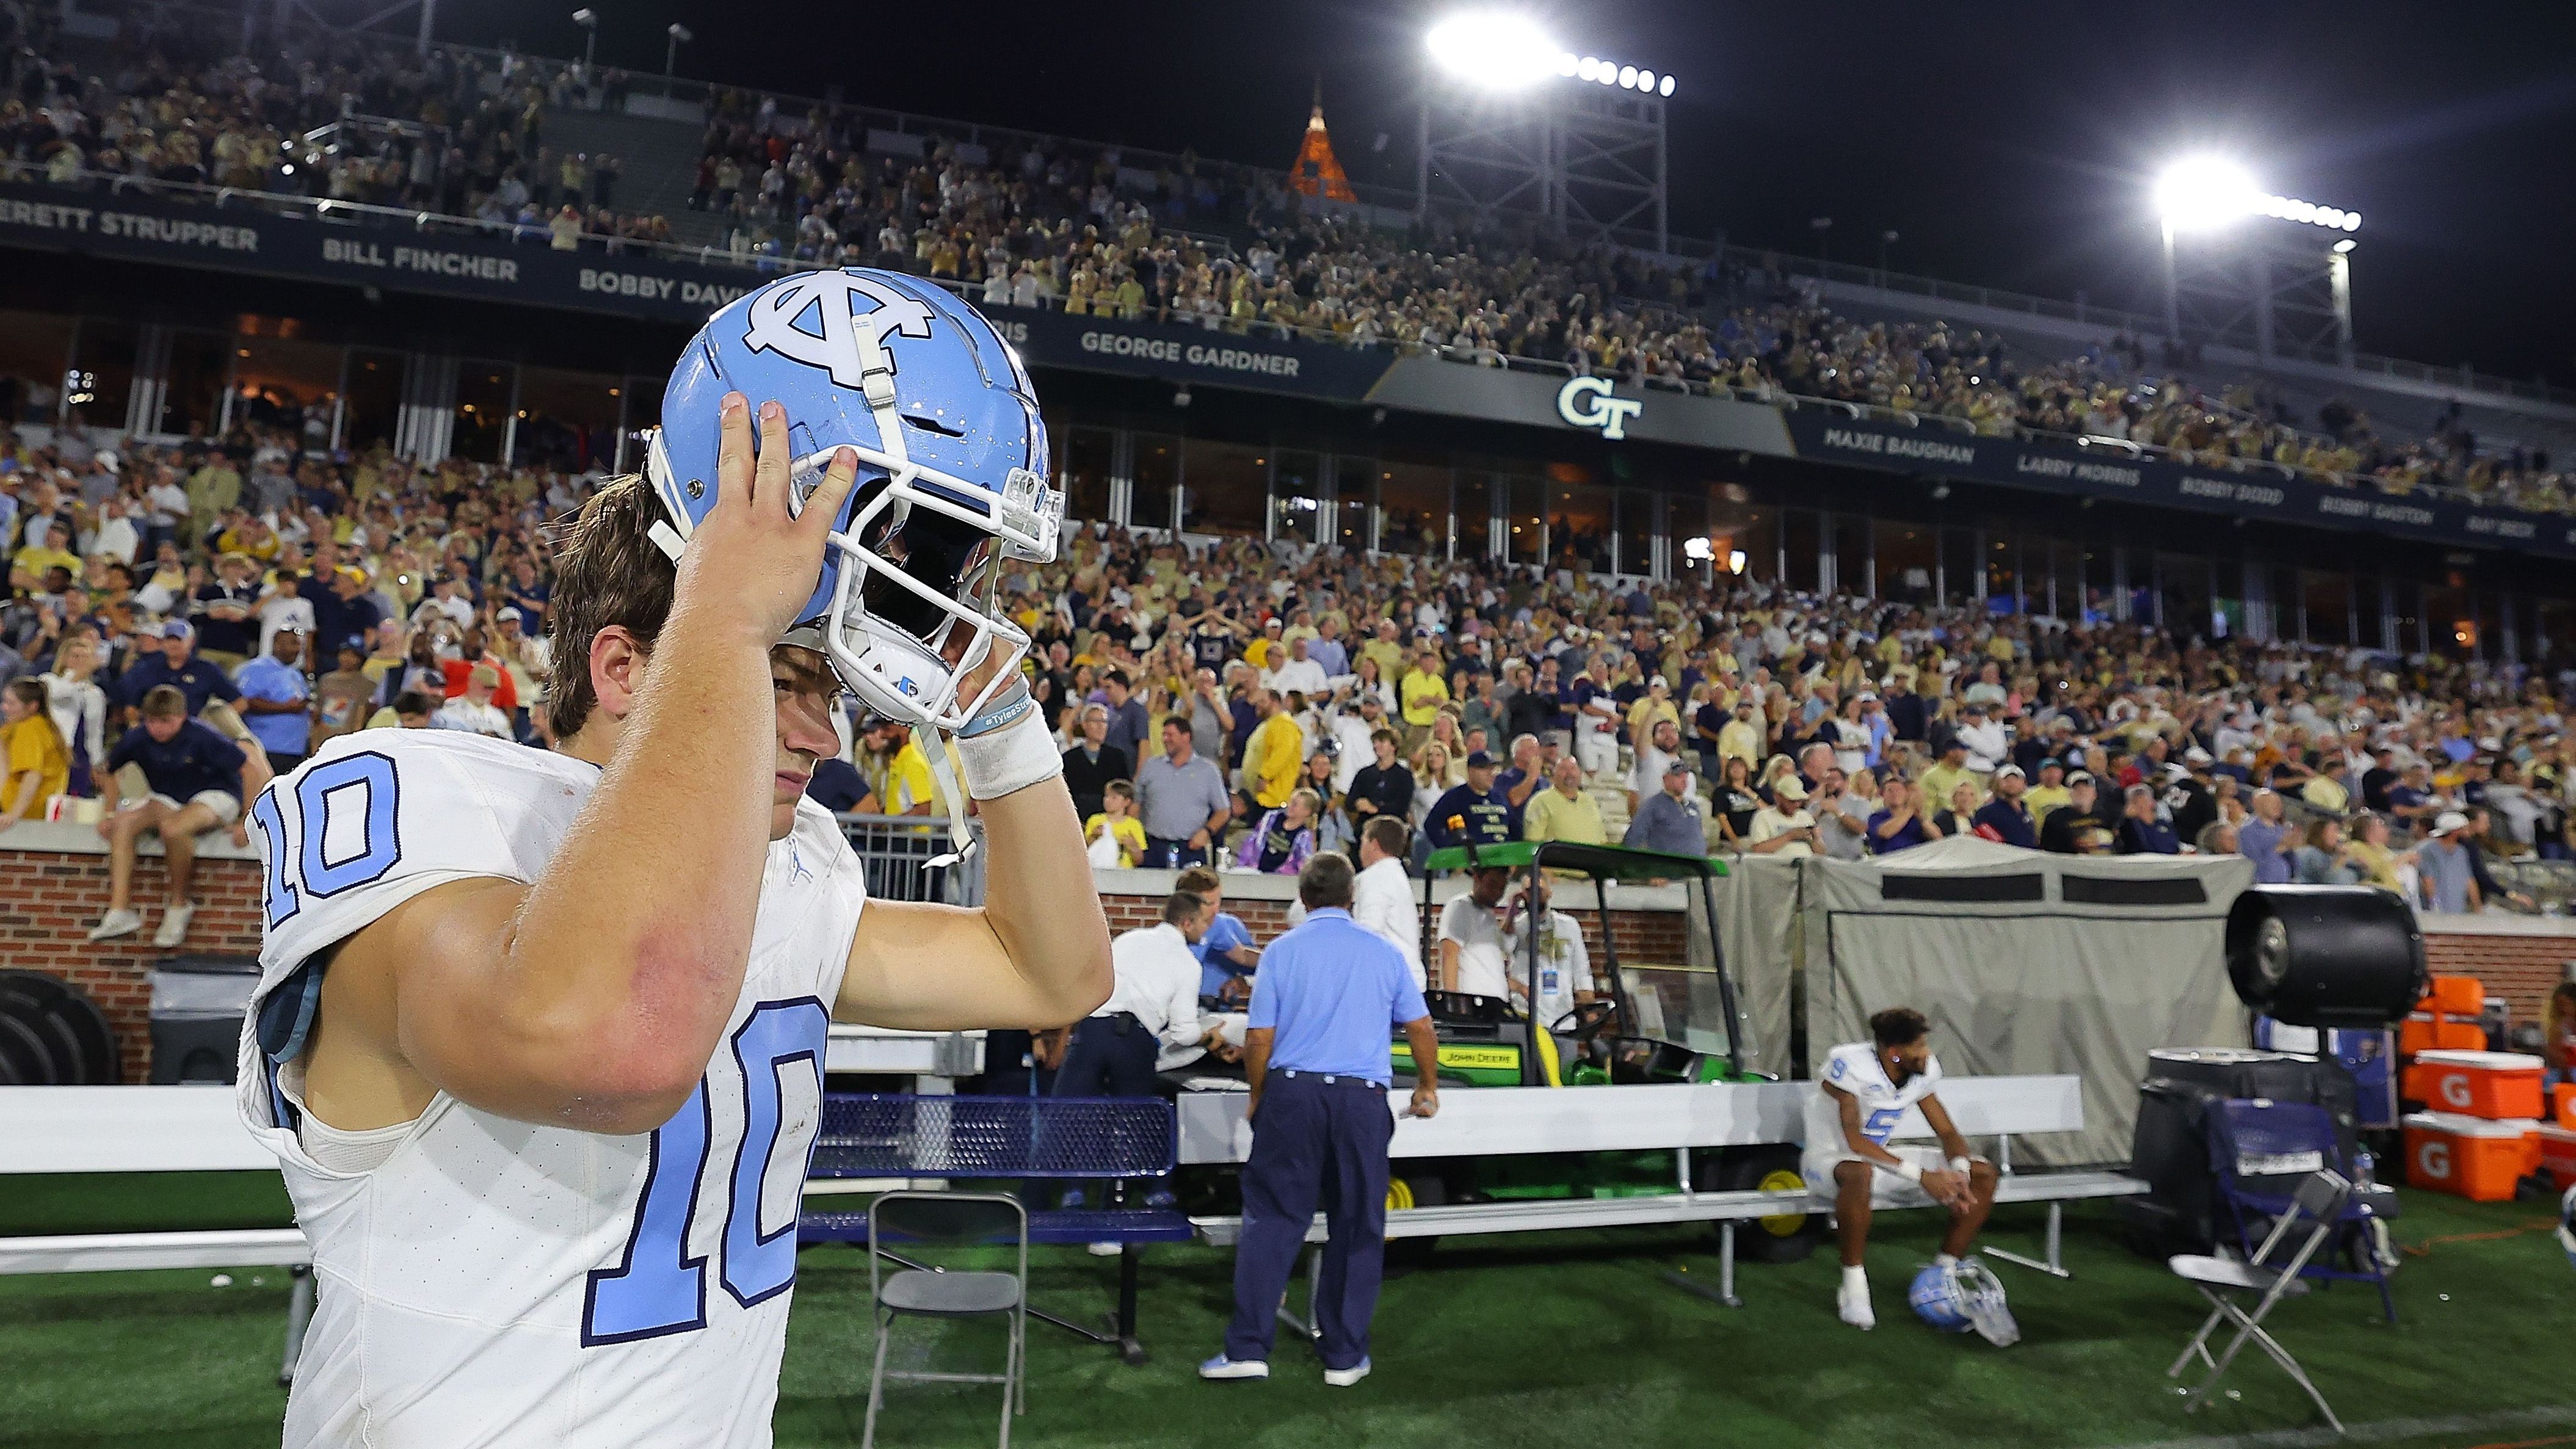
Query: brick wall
<point x="2521" y="968"/>
<point x="53" y="889"/>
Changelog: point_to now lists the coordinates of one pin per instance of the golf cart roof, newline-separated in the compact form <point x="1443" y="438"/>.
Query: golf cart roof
<point x="1605" y="862"/>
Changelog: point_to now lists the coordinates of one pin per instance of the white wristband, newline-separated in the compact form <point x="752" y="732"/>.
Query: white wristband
<point x="1910" y="1170"/>
<point x="1959" y="1165"/>
<point x="1011" y="758"/>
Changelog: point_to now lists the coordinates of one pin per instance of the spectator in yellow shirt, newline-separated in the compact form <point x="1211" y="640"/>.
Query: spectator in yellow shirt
<point x="1276" y="752"/>
<point x="27" y="570"/>
<point x="39" y="766"/>
<point x="1654" y="705"/>
<point x="1117" y="826"/>
<point x="2326" y="789"/>
<point x="1423" y="691"/>
<point x="1564" y="812"/>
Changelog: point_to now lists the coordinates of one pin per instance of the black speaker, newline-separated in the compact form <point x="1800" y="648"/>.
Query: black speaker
<point x="2326" y="956"/>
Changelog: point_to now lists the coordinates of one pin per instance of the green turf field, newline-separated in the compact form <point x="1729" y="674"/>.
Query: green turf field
<point x="1569" y="1339"/>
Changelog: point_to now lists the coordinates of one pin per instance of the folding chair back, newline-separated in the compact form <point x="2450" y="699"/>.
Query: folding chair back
<point x="2265" y="1146"/>
<point x="2268" y="1277"/>
<point x="950" y="1219"/>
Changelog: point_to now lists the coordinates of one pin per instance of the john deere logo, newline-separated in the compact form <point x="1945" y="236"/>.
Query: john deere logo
<point x="1586" y="402"/>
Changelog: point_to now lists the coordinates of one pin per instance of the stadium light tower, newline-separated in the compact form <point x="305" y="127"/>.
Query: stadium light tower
<point x="2228" y="279"/>
<point x="1513" y="121"/>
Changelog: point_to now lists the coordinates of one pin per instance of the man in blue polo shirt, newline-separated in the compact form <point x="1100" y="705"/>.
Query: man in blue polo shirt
<point x="1315" y="1051"/>
<point x="276" y="702"/>
<point x="175" y="664"/>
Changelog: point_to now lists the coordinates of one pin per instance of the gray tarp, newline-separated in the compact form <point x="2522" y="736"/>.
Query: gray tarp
<point x="2013" y="987"/>
<point x="1758" y="904"/>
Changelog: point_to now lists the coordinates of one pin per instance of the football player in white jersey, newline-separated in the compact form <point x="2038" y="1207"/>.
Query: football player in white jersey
<point x="1864" y="1092"/>
<point x="539" y="1035"/>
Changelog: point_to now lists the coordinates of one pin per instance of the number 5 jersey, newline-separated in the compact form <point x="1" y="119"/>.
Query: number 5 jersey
<point x="485" y="1281"/>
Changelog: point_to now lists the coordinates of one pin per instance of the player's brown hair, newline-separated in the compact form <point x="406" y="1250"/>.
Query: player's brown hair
<point x="1898" y="1026"/>
<point x="608" y="571"/>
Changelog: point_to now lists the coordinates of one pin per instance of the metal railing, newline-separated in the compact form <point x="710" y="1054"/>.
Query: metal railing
<point x="896" y="855"/>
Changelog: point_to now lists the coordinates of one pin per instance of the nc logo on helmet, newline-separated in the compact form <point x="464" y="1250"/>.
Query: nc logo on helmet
<point x="846" y="343"/>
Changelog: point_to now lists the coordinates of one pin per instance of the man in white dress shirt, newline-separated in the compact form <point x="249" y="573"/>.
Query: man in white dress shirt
<point x="1382" y="896"/>
<point x="1154" y="1005"/>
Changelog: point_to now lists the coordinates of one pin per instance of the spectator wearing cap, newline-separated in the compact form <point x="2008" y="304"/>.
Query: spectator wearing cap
<point x="283" y="607"/>
<point x="197" y="781"/>
<point x="473" y="652"/>
<point x="2074" y="827"/>
<point x="221" y="608"/>
<point x="2190" y="802"/>
<point x="343" y="611"/>
<point x="2048" y="791"/>
<point x="175" y="664"/>
<point x="2445" y="874"/>
<point x="1942" y="781"/>
<point x="2327" y="790"/>
<point x="2005" y="817"/>
<point x="277" y="701"/>
<point x="1782" y="827"/>
<point x="473" y="711"/>
<point x="2139" y="831"/>
<point x="1654" y="709"/>
<point x="2265" y="839"/>
<point x="1476" y="812"/>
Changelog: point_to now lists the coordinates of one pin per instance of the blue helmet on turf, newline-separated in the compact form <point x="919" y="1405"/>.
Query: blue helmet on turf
<point x="1963" y="1298"/>
<point x="952" y="471"/>
<point x="2567" y="1224"/>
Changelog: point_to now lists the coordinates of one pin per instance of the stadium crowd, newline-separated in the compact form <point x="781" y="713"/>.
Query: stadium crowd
<point x="1032" y="222"/>
<point x="180" y="105"/>
<point x="1246" y="704"/>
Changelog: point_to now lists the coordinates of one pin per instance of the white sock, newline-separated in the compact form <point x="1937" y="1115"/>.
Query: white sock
<point x="1856" y="1279"/>
<point x="1945" y="1260"/>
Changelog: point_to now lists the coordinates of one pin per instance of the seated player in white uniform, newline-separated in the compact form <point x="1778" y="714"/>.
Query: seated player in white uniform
<point x="538" y="1037"/>
<point x="1864" y="1092"/>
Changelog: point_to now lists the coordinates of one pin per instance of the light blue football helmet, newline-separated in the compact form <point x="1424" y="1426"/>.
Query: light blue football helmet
<point x="952" y="472"/>
<point x="1963" y="1299"/>
<point x="2567" y="1225"/>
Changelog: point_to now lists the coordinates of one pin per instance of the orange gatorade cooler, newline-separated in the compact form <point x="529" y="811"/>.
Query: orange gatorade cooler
<point x="2470" y="1157"/>
<point x="2422" y="1033"/>
<point x="2454" y="996"/>
<point x="2557" y="1153"/>
<point x="2480" y="1084"/>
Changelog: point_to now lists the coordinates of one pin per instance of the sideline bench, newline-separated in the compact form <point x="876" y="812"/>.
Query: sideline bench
<point x="1121" y="1140"/>
<point x="147" y="1129"/>
<point x="1504" y="1121"/>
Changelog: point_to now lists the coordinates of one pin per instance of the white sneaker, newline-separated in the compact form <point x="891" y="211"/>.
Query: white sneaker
<point x="1221" y="1367"/>
<point x="1853" y="1308"/>
<point x="1344" y="1378"/>
<point x="115" y="924"/>
<point x="174" y="926"/>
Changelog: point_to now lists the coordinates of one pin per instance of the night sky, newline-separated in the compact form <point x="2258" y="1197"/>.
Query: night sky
<point x="2008" y="145"/>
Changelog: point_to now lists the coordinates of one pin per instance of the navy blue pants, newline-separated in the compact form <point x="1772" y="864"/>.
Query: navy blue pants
<point x="1313" y="1139"/>
<point x="1108" y="1056"/>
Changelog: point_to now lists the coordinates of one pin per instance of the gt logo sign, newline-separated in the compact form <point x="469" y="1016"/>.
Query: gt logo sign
<point x="1586" y="403"/>
<point x="2434" y="1159"/>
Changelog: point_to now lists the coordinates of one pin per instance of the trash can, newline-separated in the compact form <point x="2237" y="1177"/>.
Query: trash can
<point x="197" y="1006"/>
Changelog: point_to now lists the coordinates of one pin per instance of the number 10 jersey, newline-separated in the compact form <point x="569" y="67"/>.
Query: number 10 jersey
<point x="498" y="1283"/>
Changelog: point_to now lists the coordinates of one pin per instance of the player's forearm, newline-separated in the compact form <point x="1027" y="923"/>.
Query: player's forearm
<point x="1040" y="902"/>
<point x="634" y="956"/>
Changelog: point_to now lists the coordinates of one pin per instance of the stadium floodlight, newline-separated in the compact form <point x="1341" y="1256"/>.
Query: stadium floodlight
<point x="2204" y="192"/>
<point x="1495" y="49"/>
<point x="2344" y="248"/>
<point x="1735" y="560"/>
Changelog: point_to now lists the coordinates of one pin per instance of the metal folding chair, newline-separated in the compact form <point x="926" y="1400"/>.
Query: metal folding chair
<point x="2321" y="1199"/>
<point x="2259" y="1152"/>
<point x="956" y="1219"/>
